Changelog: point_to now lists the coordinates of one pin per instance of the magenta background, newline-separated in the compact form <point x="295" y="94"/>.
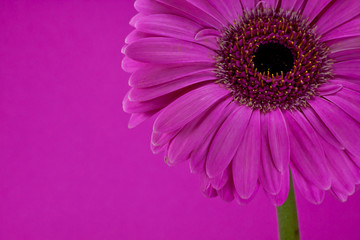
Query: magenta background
<point x="70" y="167"/>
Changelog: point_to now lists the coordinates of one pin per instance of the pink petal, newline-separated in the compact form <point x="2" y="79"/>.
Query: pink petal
<point x="226" y="193"/>
<point x="321" y="128"/>
<point x="129" y="65"/>
<point x="165" y="50"/>
<point x="288" y="4"/>
<point x="314" y="7"/>
<point x="158" y="149"/>
<point x="300" y="5"/>
<point x="136" y="35"/>
<point x="348" y="68"/>
<point x="339" y="195"/>
<point x="342" y="170"/>
<point x="355" y="160"/>
<point x="146" y="94"/>
<point x="312" y="193"/>
<point x="199" y="155"/>
<point x="339" y="12"/>
<point x="227" y="140"/>
<point x="347" y="83"/>
<point x="209" y="10"/>
<point x="160" y="139"/>
<point x="187" y="107"/>
<point x="151" y="7"/>
<point x="243" y="201"/>
<point x="190" y="11"/>
<point x="306" y="153"/>
<point x="339" y="123"/>
<point x="208" y="190"/>
<point x="329" y="89"/>
<point x="206" y="32"/>
<point x="154" y="75"/>
<point x="138" y="118"/>
<point x="349" y="101"/>
<point x="278" y="140"/>
<point x="279" y="198"/>
<point x="347" y="55"/>
<point x="246" y="161"/>
<point x="228" y="8"/>
<point x="345" y="44"/>
<point x="208" y="37"/>
<point x="168" y="25"/>
<point x="248" y="4"/>
<point x="140" y="107"/>
<point x="349" y="29"/>
<point x="194" y="133"/>
<point x="135" y="19"/>
<point x="269" y="176"/>
<point x="268" y="3"/>
<point x="219" y="181"/>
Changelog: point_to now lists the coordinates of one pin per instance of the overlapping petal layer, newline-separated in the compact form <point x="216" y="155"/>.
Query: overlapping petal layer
<point x="235" y="148"/>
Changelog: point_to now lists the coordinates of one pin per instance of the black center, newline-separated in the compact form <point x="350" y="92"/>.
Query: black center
<point x="273" y="57"/>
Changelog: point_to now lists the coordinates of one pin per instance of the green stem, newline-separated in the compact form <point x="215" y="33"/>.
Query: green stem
<point x="287" y="217"/>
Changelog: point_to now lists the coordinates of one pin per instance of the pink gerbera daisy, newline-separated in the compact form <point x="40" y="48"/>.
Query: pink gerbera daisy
<point x="248" y="90"/>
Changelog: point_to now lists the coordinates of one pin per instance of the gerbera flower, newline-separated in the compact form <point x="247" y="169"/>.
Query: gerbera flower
<point x="248" y="90"/>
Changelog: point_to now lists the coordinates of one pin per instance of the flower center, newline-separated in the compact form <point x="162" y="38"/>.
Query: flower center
<point x="272" y="59"/>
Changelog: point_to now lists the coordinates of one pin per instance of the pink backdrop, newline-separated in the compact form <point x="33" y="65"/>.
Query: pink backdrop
<point x="70" y="167"/>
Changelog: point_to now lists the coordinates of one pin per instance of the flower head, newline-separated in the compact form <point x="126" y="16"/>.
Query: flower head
<point x="248" y="90"/>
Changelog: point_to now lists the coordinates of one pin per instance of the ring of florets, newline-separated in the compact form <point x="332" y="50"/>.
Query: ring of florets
<point x="242" y="64"/>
